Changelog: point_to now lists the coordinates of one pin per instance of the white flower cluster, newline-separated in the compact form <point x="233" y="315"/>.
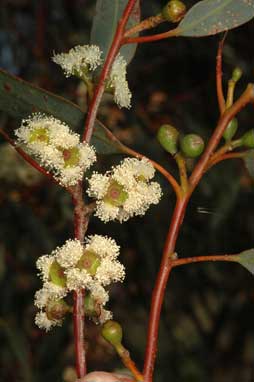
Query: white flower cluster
<point x="56" y="147"/>
<point x="81" y="60"/>
<point x="72" y="267"/>
<point x="119" y="84"/>
<point x="125" y="191"/>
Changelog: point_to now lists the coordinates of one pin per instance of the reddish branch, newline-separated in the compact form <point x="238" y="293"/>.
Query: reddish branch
<point x="156" y="37"/>
<point x="167" y="259"/>
<point x="99" y="90"/>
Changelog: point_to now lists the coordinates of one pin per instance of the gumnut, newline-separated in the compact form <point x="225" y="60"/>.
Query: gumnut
<point x="192" y="145"/>
<point x="168" y="137"/>
<point x="112" y="332"/>
<point x="231" y="129"/>
<point x="248" y="139"/>
<point x="174" y="11"/>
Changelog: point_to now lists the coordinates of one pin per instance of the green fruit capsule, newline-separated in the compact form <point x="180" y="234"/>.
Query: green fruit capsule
<point x="174" y="11"/>
<point x="112" y="332"/>
<point x="168" y="137"/>
<point x="231" y="129"/>
<point x="192" y="145"/>
<point x="237" y="74"/>
<point x="248" y="139"/>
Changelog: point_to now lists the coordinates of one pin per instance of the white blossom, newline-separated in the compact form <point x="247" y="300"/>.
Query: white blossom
<point x="79" y="60"/>
<point x="127" y="190"/>
<point x="49" y="292"/>
<point x="69" y="254"/>
<point x="78" y="279"/>
<point x="118" y="82"/>
<point x="42" y="321"/>
<point x="104" y="246"/>
<point x="56" y="147"/>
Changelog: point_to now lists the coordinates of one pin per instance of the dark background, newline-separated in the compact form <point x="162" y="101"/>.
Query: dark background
<point x="207" y="331"/>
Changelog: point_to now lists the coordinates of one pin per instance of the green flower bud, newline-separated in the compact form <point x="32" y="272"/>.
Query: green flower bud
<point x="115" y="194"/>
<point x="192" y="145"/>
<point x="56" y="274"/>
<point x="90" y="262"/>
<point x="231" y="129"/>
<point x="168" y="137"/>
<point x="174" y="11"/>
<point x="71" y="157"/>
<point x="39" y="134"/>
<point x="112" y="332"/>
<point x="237" y="74"/>
<point x="56" y="310"/>
<point x="248" y="139"/>
<point x="91" y="307"/>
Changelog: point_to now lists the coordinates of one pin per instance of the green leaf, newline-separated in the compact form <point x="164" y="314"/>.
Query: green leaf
<point x="249" y="162"/>
<point x="20" y="99"/>
<point x="246" y="259"/>
<point x="107" y="15"/>
<point x="209" y="17"/>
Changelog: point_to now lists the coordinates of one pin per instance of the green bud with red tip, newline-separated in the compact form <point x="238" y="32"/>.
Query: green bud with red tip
<point x="89" y="261"/>
<point x="174" y="11"/>
<point x="116" y="195"/>
<point x="56" y="274"/>
<point x="248" y="139"/>
<point x="192" y="145"/>
<point x="168" y="137"/>
<point x="231" y="129"/>
<point x="113" y="333"/>
<point x="57" y="309"/>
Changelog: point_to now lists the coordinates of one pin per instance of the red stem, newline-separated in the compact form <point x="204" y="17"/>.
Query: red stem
<point x="159" y="289"/>
<point x="99" y="90"/>
<point x="155" y="37"/>
<point x="199" y="259"/>
<point x="80" y="225"/>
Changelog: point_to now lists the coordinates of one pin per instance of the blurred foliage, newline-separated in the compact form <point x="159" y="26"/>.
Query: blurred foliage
<point x="207" y="331"/>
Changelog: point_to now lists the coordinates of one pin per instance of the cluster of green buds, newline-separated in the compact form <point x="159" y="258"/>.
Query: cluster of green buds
<point x="190" y="145"/>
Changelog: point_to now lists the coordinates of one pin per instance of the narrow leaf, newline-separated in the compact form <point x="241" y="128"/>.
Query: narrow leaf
<point x="249" y="163"/>
<point x="246" y="259"/>
<point x="20" y="99"/>
<point x="209" y="17"/>
<point x="107" y="15"/>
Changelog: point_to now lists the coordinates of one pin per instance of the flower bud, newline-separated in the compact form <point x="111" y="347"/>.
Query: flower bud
<point x="112" y="332"/>
<point x="115" y="194"/>
<point x="168" y="138"/>
<point x="90" y="262"/>
<point x="56" y="274"/>
<point x="231" y="129"/>
<point x="56" y="310"/>
<point x="248" y="139"/>
<point x="237" y="74"/>
<point x="192" y="145"/>
<point x="174" y="11"/>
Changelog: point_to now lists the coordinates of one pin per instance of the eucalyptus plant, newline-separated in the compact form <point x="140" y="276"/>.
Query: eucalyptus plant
<point x="76" y="275"/>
